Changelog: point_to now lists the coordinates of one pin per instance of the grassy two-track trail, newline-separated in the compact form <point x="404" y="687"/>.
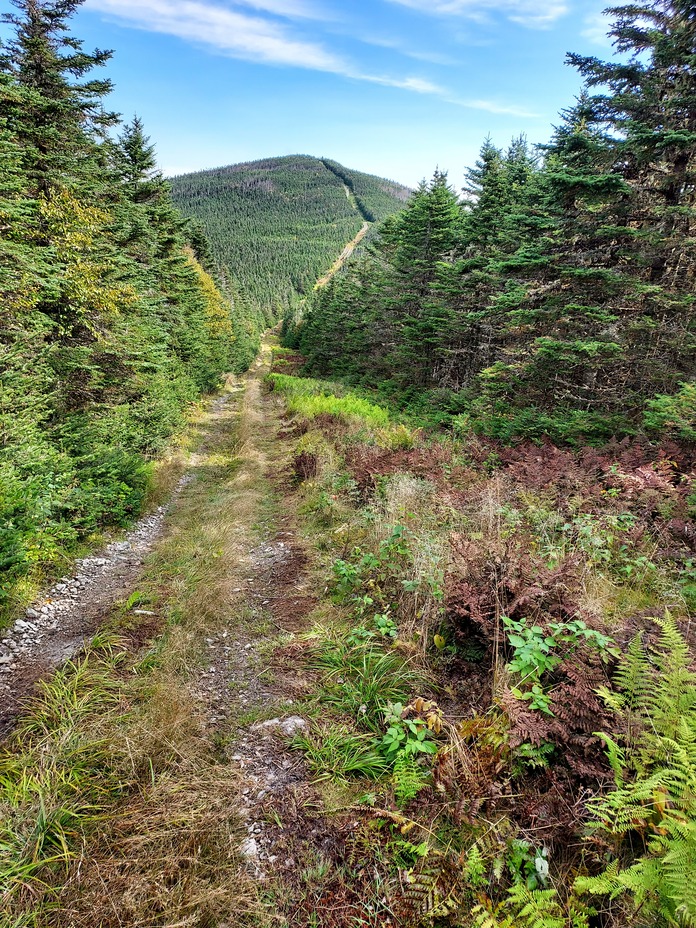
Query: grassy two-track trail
<point x="149" y="781"/>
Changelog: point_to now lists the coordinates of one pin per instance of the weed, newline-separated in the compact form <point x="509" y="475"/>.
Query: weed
<point x="404" y="735"/>
<point x="537" y="652"/>
<point x="338" y="753"/>
<point x="362" y="680"/>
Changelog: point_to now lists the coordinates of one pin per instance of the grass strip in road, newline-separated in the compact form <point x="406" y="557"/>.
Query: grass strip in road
<point x="115" y="807"/>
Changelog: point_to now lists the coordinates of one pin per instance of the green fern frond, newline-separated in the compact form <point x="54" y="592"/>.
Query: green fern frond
<point x="537" y="908"/>
<point x="633" y="677"/>
<point x="673" y="698"/>
<point x="617" y="757"/>
<point x="484" y="918"/>
<point x="474" y="868"/>
<point x="409" y="778"/>
<point x="528" y="908"/>
<point x="684" y="918"/>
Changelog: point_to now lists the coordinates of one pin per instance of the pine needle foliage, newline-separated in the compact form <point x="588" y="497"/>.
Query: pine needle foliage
<point x="113" y="316"/>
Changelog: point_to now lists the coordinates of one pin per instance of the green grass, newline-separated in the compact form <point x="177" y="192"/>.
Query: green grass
<point x="361" y="681"/>
<point x="311" y="398"/>
<point x="59" y="772"/>
<point x="336" y="753"/>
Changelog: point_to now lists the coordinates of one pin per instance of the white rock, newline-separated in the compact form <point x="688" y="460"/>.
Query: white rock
<point x="292" y="725"/>
<point x="249" y="847"/>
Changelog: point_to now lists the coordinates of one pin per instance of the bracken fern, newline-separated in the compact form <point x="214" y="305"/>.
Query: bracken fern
<point x="655" y="779"/>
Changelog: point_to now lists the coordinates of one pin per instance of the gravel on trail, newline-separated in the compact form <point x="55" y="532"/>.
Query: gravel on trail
<point x="55" y="627"/>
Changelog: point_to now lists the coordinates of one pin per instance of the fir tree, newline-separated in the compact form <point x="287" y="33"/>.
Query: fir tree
<point x="65" y="112"/>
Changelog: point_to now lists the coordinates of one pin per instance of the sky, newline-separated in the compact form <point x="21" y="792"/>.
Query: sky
<point x="392" y="87"/>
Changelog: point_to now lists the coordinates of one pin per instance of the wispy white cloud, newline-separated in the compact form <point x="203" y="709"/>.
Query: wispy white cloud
<point x="253" y="38"/>
<point x="290" y="9"/>
<point x="416" y="84"/>
<point x="266" y="41"/>
<point x="596" y="28"/>
<point x="403" y="49"/>
<point x="498" y="109"/>
<point x="227" y="30"/>
<point x="535" y="14"/>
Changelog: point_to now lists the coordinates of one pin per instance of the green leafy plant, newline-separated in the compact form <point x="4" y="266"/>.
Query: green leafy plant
<point x="538" y="651"/>
<point x="386" y="626"/>
<point x="651" y="812"/>
<point x="527" y="865"/>
<point x="408" y="736"/>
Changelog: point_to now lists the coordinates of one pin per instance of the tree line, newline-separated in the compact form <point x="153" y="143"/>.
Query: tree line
<point x="555" y="295"/>
<point x="113" y="314"/>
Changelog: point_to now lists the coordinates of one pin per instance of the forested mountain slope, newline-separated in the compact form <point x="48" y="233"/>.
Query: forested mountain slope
<point x="278" y="224"/>
<point x="113" y="316"/>
<point x="557" y="297"/>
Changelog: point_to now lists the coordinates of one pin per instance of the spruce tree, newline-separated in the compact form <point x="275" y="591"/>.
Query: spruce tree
<point x="487" y="193"/>
<point x="136" y="162"/>
<point x="65" y="116"/>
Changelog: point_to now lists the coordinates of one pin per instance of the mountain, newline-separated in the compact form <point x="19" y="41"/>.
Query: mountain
<point x="556" y="301"/>
<point x="279" y="223"/>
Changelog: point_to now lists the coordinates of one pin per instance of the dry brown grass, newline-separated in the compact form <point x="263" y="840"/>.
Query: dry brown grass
<point x="161" y="847"/>
<point x="168" y="857"/>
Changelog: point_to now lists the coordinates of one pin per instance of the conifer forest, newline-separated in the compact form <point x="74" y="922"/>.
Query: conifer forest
<point x="348" y="531"/>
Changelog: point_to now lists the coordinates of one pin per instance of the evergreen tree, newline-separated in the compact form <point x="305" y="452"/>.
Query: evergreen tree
<point x="136" y="162"/>
<point x="487" y="193"/>
<point x="109" y="324"/>
<point x="65" y="112"/>
<point x="566" y="309"/>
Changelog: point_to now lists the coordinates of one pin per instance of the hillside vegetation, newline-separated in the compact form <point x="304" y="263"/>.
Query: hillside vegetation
<point x="514" y="684"/>
<point x="503" y="691"/>
<point x="113" y="316"/>
<point x="557" y="298"/>
<point x="417" y="648"/>
<point x="278" y="224"/>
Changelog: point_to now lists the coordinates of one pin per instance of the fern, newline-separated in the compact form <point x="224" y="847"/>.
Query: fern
<point x="485" y="918"/>
<point x="409" y="778"/>
<point x="474" y="867"/>
<point x="433" y="889"/>
<point x="674" y="697"/>
<point x="655" y="779"/>
<point x="633" y="680"/>
<point x="530" y="908"/>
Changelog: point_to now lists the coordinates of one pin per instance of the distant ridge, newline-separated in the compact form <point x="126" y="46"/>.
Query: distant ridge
<point x="279" y="224"/>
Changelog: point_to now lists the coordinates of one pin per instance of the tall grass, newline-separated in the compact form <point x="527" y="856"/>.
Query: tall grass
<point x="311" y="398"/>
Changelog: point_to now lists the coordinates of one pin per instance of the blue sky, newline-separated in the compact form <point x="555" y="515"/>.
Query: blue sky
<point x="392" y="87"/>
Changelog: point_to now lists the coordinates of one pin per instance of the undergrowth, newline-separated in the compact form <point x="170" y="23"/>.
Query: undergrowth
<point x="481" y="680"/>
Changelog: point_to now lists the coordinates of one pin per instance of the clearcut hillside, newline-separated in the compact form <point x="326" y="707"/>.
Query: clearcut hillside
<point x="279" y="223"/>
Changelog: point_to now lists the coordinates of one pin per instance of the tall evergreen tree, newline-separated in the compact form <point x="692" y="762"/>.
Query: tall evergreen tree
<point x="109" y="324"/>
<point x="568" y="309"/>
<point x="65" y="113"/>
<point x="136" y="162"/>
